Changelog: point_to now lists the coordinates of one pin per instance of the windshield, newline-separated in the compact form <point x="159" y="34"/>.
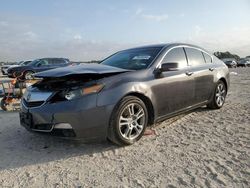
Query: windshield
<point x="135" y="59"/>
<point x="25" y="63"/>
<point x="34" y="62"/>
<point x="20" y="63"/>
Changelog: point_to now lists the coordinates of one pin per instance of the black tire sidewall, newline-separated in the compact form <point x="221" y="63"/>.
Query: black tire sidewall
<point x="214" y="99"/>
<point x="24" y="75"/>
<point x="119" y="139"/>
<point x="3" y="104"/>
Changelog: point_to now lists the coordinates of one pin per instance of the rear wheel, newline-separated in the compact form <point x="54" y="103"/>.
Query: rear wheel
<point x="128" y="121"/>
<point x="219" y="96"/>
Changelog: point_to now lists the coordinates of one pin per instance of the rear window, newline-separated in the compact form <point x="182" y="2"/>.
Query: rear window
<point x="194" y="56"/>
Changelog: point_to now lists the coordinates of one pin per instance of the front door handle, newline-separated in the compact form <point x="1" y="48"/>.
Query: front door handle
<point x="211" y="69"/>
<point x="189" y="73"/>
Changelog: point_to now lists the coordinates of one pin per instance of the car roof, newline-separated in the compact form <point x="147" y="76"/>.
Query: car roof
<point x="47" y="58"/>
<point x="165" y="45"/>
<point x="53" y="58"/>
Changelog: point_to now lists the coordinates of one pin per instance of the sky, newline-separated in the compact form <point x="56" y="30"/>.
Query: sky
<point x="85" y="30"/>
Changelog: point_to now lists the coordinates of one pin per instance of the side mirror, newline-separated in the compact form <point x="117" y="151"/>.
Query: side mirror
<point x="171" y="66"/>
<point x="38" y="64"/>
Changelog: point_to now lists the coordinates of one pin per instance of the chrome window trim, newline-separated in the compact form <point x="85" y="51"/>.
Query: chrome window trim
<point x="182" y="46"/>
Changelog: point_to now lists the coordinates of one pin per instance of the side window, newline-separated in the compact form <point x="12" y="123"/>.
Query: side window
<point x="207" y="57"/>
<point x="50" y="62"/>
<point x="58" y="61"/>
<point x="194" y="56"/>
<point x="43" y="63"/>
<point x="176" y="55"/>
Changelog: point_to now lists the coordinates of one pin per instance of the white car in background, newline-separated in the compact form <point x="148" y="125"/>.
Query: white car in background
<point x="230" y="62"/>
<point x="4" y="68"/>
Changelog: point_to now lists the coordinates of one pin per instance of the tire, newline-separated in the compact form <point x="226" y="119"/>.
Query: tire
<point x="4" y="104"/>
<point x="27" y="75"/>
<point x="219" y="96"/>
<point x="128" y="121"/>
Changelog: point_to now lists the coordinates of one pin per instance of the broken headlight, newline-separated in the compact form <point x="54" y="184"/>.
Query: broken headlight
<point x="73" y="94"/>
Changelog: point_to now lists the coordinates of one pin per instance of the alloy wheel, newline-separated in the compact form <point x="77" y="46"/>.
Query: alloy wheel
<point x="29" y="75"/>
<point x="220" y="94"/>
<point x="132" y="121"/>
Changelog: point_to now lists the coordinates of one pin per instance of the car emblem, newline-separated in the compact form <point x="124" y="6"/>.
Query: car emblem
<point x="28" y="97"/>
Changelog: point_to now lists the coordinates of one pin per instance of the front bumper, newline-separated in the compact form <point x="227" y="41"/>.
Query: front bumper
<point x="4" y="71"/>
<point x="10" y="74"/>
<point x="87" y="120"/>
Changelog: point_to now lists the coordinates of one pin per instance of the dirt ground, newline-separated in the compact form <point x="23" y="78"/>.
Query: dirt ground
<point x="205" y="148"/>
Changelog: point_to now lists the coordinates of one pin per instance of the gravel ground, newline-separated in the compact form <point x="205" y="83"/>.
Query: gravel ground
<point x="205" y="148"/>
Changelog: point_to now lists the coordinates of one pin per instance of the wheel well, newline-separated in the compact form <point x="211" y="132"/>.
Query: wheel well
<point x="24" y="72"/>
<point x="148" y="104"/>
<point x="224" y="81"/>
<point x="28" y="71"/>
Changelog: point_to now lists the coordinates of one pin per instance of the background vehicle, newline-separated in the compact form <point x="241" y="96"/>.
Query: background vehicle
<point x="38" y="65"/>
<point x="243" y="63"/>
<point x="231" y="63"/>
<point x="5" y="68"/>
<point x="11" y="92"/>
<point x="118" y="98"/>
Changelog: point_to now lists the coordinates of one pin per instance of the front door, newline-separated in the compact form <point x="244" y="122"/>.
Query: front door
<point x="174" y="90"/>
<point x="42" y="65"/>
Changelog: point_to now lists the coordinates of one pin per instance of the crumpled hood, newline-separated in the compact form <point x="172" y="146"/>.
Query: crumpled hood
<point x="83" y="69"/>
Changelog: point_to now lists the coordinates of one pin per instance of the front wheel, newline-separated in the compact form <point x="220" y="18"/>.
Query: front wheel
<point x="219" y="96"/>
<point x="28" y="75"/>
<point x="128" y="121"/>
<point x="4" y="104"/>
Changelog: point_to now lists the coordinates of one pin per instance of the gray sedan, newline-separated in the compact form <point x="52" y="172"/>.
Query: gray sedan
<point x="128" y="91"/>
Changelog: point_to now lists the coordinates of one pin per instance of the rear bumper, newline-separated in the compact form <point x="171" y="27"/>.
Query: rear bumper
<point x="78" y="119"/>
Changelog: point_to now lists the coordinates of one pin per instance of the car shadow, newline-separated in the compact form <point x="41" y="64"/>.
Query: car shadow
<point x="20" y="148"/>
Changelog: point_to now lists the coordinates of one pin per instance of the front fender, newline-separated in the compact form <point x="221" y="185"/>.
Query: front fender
<point x="115" y="94"/>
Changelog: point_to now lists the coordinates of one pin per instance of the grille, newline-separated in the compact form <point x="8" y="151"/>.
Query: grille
<point x="32" y="104"/>
<point x="43" y="127"/>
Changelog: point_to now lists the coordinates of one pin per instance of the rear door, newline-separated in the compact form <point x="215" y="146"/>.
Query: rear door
<point x="174" y="90"/>
<point x="203" y="72"/>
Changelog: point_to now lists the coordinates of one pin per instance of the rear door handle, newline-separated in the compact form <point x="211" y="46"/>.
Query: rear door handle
<point x="189" y="73"/>
<point x="211" y="69"/>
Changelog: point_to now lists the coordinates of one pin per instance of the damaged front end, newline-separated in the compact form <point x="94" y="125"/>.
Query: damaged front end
<point x="65" y="103"/>
<point x="77" y="81"/>
<point x="69" y="88"/>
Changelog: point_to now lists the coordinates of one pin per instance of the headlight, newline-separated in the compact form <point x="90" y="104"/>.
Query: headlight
<point x="83" y="91"/>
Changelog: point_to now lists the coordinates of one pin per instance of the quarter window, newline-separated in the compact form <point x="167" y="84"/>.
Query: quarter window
<point x="176" y="55"/>
<point x="207" y="57"/>
<point x="194" y="56"/>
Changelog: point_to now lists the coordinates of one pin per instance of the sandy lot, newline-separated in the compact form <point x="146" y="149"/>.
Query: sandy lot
<point x="201" y="149"/>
